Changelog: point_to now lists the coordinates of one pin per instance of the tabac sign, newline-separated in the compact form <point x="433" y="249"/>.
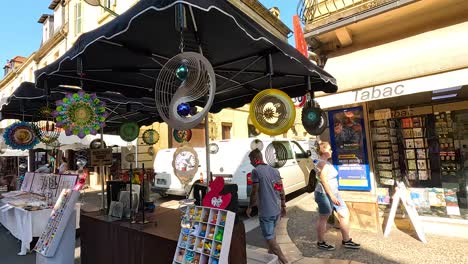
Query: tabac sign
<point x="411" y="86"/>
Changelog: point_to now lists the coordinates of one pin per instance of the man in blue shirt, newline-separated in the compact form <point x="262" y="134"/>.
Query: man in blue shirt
<point x="271" y="205"/>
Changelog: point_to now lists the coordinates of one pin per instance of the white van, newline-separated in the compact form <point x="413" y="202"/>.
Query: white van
<point x="229" y="159"/>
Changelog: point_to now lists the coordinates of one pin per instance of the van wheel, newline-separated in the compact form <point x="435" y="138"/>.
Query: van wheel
<point x="312" y="182"/>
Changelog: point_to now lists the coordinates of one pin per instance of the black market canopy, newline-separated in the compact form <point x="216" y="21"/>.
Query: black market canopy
<point x="127" y="54"/>
<point x="27" y="100"/>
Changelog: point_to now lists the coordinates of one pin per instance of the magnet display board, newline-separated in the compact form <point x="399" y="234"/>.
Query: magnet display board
<point x="50" y="239"/>
<point x="202" y="240"/>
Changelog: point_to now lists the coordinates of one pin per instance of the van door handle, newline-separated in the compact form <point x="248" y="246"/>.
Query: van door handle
<point x="294" y="162"/>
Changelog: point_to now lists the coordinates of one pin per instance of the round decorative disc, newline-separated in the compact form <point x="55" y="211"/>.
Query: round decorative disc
<point x="182" y="135"/>
<point x="272" y="112"/>
<point x="20" y="135"/>
<point x="130" y="157"/>
<point x="214" y="148"/>
<point x="185" y="163"/>
<point x="276" y="154"/>
<point x="129" y="131"/>
<point x="80" y="114"/>
<point x="150" y="137"/>
<point x="311" y="117"/>
<point x="318" y="130"/>
<point x="256" y="144"/>
<point x="96" y="144"/>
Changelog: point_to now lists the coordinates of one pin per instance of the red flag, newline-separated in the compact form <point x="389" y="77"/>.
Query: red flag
<point x="301" y="44"/>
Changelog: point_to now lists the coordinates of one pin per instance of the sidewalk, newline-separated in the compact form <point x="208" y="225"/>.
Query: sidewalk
<point x="289" y="248"/>
<point x="399" y="247"/>
<point x="293" y="254"/>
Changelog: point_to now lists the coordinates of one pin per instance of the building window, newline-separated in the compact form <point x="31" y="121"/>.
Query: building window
<point x="226" y="130"/>
<point x="78" y="17"/>
<point x="109" y="4"/>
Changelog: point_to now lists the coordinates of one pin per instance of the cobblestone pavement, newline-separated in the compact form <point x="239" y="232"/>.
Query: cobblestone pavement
<point x="399" y="247"/>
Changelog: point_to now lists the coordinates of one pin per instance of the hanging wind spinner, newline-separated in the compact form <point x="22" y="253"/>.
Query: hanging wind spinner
<point x="80" y="114"/>
<point x="20" y="135"/>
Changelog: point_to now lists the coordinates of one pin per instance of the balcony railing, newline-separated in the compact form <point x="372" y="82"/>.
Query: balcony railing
<point x="314" y="10"/>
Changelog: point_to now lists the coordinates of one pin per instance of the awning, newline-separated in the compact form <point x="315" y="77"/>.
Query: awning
<point x="126" y="54"/>
<point x="27" y="100"/>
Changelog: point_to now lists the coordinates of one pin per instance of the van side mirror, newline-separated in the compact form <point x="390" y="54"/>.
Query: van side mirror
<point x="309" y="153"/>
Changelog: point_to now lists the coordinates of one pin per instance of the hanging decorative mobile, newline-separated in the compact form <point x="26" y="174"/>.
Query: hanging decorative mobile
<point x="150" y="137"/>
<point x="185" y="79"/>
<point x="80" y="114"/>
<point x="272" y="112"/>
<point x="182" y="135"/>
<point x="20" y="135"/>
<point x="46" y="129"/>
<point x="276" y="154"/>
<point x="129" y="131"/>
<point x="313" y="118"/>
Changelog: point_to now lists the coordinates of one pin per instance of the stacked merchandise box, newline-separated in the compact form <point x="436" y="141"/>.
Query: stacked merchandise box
<point x="208" y="239"/>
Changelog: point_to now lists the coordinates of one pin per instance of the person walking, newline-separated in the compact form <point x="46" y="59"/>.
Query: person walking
<point x="271" y="205"/>
<point x="328" y="199"/>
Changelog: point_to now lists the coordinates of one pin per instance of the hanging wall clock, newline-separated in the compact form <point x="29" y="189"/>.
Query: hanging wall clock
<point x="185" y="163"/>
<point x="20" y="135"/>
<point x="150" y="137"/>
<point x="80" y="114"/>
<point x="272" y="112"/>
<point x="182" y="135"/>
<point x="129" y="131"/>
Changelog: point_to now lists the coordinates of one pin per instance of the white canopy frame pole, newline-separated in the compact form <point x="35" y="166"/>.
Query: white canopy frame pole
<point x="207" y="152"/>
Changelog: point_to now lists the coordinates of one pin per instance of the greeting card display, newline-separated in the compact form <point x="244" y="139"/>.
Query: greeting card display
<point x="208" y="239"/>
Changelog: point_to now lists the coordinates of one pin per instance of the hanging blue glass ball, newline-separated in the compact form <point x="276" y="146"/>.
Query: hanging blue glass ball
<point x="182" y="72"/>
<point x="183" y="109"/>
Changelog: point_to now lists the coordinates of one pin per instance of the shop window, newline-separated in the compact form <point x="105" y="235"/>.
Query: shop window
<point x="78" y="11"/>
<point x="110" y="4"/>
<point x="226" y="130"/>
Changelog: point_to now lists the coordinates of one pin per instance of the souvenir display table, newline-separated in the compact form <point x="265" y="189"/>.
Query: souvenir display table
<point x="107" y="240"/>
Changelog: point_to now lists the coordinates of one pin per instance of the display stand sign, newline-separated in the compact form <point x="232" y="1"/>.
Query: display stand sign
<point x="59" y="232"/>
<point x="27" y="182"/>
<point x="401" y="195"/>
<point x="208" y="239"/>
<point x="348" y="142"/>
<point x="48" y="184"/>
<point x="101" y="157"/>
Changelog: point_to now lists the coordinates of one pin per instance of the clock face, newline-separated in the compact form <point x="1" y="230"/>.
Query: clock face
<point x="185" y="161"/>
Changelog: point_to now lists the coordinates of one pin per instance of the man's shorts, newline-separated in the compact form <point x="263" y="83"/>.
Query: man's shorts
<point x="325" y="204"/>
<point x="268" y="224"/>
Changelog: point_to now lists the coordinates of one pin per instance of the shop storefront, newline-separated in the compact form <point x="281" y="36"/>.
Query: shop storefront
<point x="415" y="133"/>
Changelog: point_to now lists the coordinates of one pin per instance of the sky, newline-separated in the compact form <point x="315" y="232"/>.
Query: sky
<point x="20" y="34"/>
